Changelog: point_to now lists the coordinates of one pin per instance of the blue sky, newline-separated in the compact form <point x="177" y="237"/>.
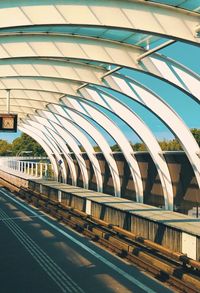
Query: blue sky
<point x="184" y="105"/>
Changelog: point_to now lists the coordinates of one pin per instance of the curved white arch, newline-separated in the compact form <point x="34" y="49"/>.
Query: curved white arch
<point x="45" y="129"/>
<point x="159" y="108"/>
<point x="157" y="65"/>
<point x="116" y="133"/>
<point x="131" y="119"/>
<point x="65" y="129"/>
<point x="156" y="106"/>
<point x="140" y="128"/>
<point x="63" y="147"/>
<point x="97" y="136"/>
<point x="164" y="112"/>
<point x="100" y="50"/>
<point x="159" y="19"/>
<point x="41" y="131"/>
<point x="26" y="129"/>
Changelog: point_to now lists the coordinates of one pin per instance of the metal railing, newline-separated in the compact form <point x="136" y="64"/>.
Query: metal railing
<point x="31" y="166"/>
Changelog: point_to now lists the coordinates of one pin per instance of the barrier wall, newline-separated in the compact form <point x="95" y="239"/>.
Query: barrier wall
<point x="186" y="191"/>
<point x="143" y="220"/>
<point x="137" y="218"/>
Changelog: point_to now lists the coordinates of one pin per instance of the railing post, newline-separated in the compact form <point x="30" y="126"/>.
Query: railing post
<point x="45" y="170"/>
<point x="36" y="169"/>
<point x="32" y="167"/>
<point x="41" y="166"/>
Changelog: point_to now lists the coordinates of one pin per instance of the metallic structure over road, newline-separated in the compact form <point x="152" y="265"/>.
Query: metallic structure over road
<point x="66" y="64"/>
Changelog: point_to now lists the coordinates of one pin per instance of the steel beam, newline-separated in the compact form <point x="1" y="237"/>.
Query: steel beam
<point x="112" y="129"/>
<point x="65" y="127"/>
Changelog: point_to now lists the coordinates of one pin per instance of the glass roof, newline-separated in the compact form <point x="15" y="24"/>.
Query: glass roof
<point x="193" y="5"/>
<point x="119" y="35"/>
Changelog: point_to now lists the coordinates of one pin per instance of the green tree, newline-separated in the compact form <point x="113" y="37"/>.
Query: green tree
<point x="115" y="148"/>
<point x="170" y="145"/>
<point x="96" y="148"/>
<point x="196" y="134"/>
<point x="139" y="147"/>
<point x="27" y="143"/>
<point x="5" y="148"/>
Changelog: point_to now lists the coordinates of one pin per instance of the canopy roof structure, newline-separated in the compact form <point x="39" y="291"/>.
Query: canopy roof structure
<point x="62" y="64"/>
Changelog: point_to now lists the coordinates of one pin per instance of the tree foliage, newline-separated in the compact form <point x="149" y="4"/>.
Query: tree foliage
<point x="26" y="143"/>
<point x="166" y="145"/>
<point x="5" y="148"/>
<point x="196" y="134"/>
<point x="19" y="145"/>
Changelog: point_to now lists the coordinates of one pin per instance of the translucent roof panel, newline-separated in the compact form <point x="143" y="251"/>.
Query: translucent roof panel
<point x="119" y="35"/>
<point x="193" y="5"/>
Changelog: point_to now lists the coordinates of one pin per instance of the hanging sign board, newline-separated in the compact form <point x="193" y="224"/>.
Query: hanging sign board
<point x="8" y="122"/>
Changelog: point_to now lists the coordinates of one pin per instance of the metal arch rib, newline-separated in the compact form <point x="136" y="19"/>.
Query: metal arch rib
<point x="168" y="194"/>
<point x="184" y="135"/>
<point x="74" y="146"/>
<point x="76" y="117"/>
<point x="101" y="51"/>
<point x="106" y="123"/>
<point x="64" y="128"/>
<point x="183" y="138"/>
<point x="164" y="112"/>
<point x="54" y="146"/>
<point x="63" y="147"/>
<point x="160" y="19"/>
<point x="81" y="122"/>
<point x="138" y="126"/>
<point x="157" y="65"/>
<point x="26" y="129"/>
<point x="118" y="108"/>
<point x="100" y="140"/>
<point x="173" y="73"/>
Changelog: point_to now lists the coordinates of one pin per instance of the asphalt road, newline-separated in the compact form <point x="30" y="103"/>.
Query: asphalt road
<point x="37" y="254"/>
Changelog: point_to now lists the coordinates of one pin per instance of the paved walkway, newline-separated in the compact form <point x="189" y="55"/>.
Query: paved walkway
<point x="40" y="255"/>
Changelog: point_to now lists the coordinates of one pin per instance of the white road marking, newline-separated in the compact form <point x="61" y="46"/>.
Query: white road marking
<point x="50" y="267"/>
<point x="35" y="256"/>
<point x="86" y="248"/>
